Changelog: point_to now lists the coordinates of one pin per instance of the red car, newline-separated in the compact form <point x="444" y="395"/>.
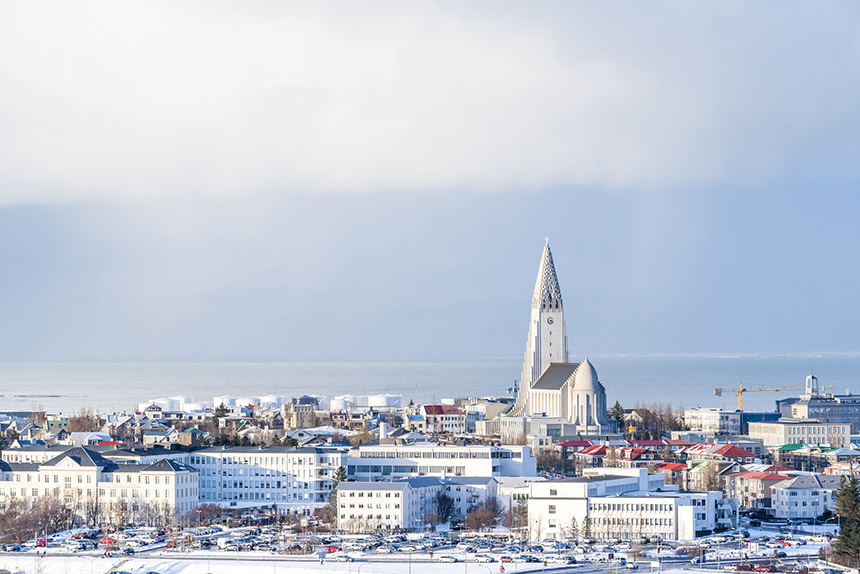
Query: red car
<point x="506" y="559"/>
<point x="108" y="540"/>
<point x="332" y="548"/>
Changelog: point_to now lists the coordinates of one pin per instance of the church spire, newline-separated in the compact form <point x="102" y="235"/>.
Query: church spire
<point x="547" y="293"/>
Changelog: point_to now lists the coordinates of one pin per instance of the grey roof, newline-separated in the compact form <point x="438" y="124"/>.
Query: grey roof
<point x="555" y="375"/>
<point x="166" y="465"/>
<point x="804" y="481"/>
<point x="22" y="466"/>
<point x="470" y="479"/>
<point x="81" y="455"/>
<point x="39" y="448"/>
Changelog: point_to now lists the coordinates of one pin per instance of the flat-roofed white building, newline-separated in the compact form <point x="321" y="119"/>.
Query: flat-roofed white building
<point x="624" y="503"/>
<point x="389" y="462"/>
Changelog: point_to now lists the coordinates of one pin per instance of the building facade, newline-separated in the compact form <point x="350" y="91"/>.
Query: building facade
<point x="713" y="421"/>
<point x="98" y="490"/>
<point x="405" y="504"/>
<point x="293" y="479"/>
<point x="806" y="496"/>
<point x="802" y="431"/>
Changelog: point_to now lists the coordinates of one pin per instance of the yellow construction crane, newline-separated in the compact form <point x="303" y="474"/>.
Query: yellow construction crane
<point x="741" y="390"/>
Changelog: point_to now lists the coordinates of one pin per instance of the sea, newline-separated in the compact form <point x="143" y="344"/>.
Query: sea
<point x="681" y="382"/>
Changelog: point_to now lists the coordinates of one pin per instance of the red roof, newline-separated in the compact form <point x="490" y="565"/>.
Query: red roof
<point x="671" y="466"/>
<point x="441" y="410"/>
<point x="632" y="453"/>
<point x="679" y="442"/>
<point x="108" y="443"/>
<point x="575" y="443"/>
<point x="732" y="450"/>
<point x="594" y="450"/>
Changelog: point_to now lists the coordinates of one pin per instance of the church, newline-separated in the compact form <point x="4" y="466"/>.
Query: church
<point x="550" y="385"/>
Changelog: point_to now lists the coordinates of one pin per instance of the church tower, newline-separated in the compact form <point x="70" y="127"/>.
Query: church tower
<point x="547" y="342"/>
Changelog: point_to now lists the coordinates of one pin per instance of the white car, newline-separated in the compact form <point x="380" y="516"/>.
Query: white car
<point x="448" y="559"/>
<point x="484" y="558"/>
<point x="345" y="558"/>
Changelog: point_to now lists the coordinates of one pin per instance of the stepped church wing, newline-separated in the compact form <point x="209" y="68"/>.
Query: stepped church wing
<point x="550" y="384"/>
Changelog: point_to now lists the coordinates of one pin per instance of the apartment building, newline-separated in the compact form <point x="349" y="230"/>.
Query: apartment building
<point x="805" y="496"/>
<point x="294" y="479"/>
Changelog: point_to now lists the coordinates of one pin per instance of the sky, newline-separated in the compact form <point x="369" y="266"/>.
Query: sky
<point x="340" y="181"/>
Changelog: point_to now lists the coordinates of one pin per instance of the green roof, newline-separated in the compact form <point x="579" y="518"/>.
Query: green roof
<point x="791" y="447"/>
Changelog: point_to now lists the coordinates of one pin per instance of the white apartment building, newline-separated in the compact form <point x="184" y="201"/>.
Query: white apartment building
<point x="801" y="431"/>
<point x="805" y="496"/>
<point x="626" y="504"/>
<point x="389" y="462"/>
<point x="97" y="489"/>
<point x="294" y="479"/>
<point x="713" y="421"/>
<point x="404" y="504"/>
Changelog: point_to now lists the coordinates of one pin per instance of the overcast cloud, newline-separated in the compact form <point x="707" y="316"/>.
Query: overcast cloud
<point x="373" y="180"/>
<point x="106" y="99"/>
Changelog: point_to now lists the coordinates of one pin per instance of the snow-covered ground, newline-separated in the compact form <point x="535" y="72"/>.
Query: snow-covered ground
<point x="24" y="563"/>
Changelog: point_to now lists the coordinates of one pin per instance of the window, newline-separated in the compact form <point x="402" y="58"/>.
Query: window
<point x="552" y="508"/>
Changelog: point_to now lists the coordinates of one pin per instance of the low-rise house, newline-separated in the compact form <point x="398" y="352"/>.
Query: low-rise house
<point x="673" y="472"/>
<point x="441" y="419"/>
<point x="592" y="456"/>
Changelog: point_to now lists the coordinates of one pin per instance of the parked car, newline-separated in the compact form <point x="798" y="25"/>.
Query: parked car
<point x="448" y="559"/>
<point x="484" y="558"/>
